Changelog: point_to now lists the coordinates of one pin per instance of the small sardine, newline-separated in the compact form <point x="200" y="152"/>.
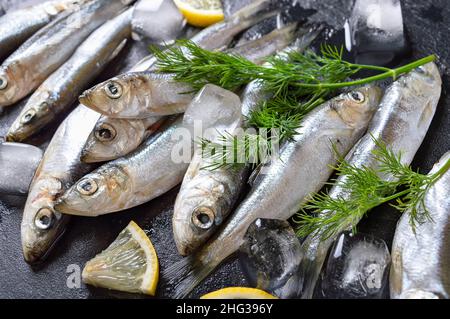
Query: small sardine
<point x="402" y="121"/>
<point x="421" y="259"/>
<point x="302" y="169"/>
<point x="146" y="94"/>
<point x="18" y="25"/>
<point x="50" y="47"/>
<point x="62" y="88"/>
<point x="115" y="138"/>
<point x="60" y="167"/>
<point x="152" y="169"/>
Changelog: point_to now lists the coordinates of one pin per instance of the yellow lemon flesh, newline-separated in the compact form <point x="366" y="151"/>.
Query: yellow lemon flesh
<point x="129" y="264"/>
<point x="238" y="293"/>
<point x="201" y="13"/>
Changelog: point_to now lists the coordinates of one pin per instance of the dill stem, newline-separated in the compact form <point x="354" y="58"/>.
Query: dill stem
<point x="440" y="172"/>
<point x="394" y="73"/>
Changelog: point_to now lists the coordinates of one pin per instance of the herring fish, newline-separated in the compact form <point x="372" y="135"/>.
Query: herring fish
<point x="115" y="95"/>
<point x="401" y="122"/>
<point x="420" y="259"/>
<point x="60" y="167"/>
<point x="62" y="88"/>
<point x="18" y="25"/>
<point x="207" y="197"/>
<point x="152" y="169"/>
<point x="115" y="138"/>
<point x="302" y="169"/>
<point x="50" y="47"/>
<point x="149" y="93"/>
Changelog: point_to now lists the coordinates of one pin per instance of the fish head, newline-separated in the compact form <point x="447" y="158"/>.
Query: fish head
<point x="95" y="194"/>
<point x="41" y="224"/>
<point x="10" y="84"/>
<point x="117" y="97"/>
<point x="357" y="107"/>
<point x="425" y="78"/>
<point x="111" y="139"/>
<point x="35" y="114"/>
<point x="198" y="211"/>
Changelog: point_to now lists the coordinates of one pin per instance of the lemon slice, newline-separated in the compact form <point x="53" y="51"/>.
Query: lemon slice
<point x="129" y="264"/>
<point x="201" y="13"/>
<point x="238" y="293"/>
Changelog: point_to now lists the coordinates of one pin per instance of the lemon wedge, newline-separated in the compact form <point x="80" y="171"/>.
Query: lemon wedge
<point x="129" y="264"/>
<point x="238" y="293"/>
<point x="201" y="13"/>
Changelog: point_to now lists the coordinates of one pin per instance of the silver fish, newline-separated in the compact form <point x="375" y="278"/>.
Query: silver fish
<point x="151" y="170"/>
<point x="62" y="88"/>
<point x="302" y="169"/>
<point x="115" y="138"/>
<point x="149" y="93"/>
<point x="17" y="26"/>
<point x="18" y="163"/>
<point x="60" y="167"/>
<point x="50" y="47"/>
<point x="207" y="197"/>
<point x="401" y="122"/>
<point x="420" y="259"/>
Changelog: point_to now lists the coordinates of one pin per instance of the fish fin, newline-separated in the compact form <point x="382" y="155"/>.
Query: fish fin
<point x="183" y="276"/>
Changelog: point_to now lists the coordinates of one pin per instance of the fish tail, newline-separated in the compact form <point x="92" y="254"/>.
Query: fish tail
<point x="183" y="276"/>
<point x="255" y="12"/>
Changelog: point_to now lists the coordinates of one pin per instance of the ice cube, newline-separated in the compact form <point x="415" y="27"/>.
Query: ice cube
<point x="376" y="28"/>
<point x="357" y="267"/>
<point x="213" y="111"/>
<point x="158" y="21"/>
<point x="270" y="257"/>
<point x="18" y="163"/>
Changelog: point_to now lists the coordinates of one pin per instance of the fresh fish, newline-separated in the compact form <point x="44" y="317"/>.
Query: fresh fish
<point x="151" y="170"/>
<point x="401" y="122"/>
<point x="60" y="167"/>
<point x="207" y="197"/>
<point x="302" y="169"/>
<point x="149" y="93"/>
<point x="50" y="47"/>
<point x="62" y="88"/>
<point x="115" y="138"/>
<point x="420" y="259"/>
<point x="18" y="25"/>
<point x="158" y="21"/>
<point x="18" y="163"/>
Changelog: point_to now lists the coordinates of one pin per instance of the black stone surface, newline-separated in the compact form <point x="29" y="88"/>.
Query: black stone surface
<point x="428" y="25"/>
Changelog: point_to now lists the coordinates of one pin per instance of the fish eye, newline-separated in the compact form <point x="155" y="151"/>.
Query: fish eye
<point x="28" y="116"/>
<point x="3" y="82"/>
<point x="44" y="219"/>
<point x="105" y="133"/>
<point x="113" y="90"/>
<point x="203" y="218"/>
<point x="357" y="96"/>
<point x="87" y="187"/>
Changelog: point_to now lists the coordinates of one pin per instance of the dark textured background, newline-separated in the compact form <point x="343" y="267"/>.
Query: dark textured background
<point x="428" y="26"/>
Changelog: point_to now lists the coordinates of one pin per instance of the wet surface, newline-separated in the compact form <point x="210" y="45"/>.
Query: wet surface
<point x="427" y="24"/>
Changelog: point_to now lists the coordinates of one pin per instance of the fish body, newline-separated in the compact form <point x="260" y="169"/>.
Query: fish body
<point x="420" y="260"/>
<point x="62" y="88"/>
<point x="115" y="138"/>
<point x="302" y="168"/>
<point x="50" y="47"/>
<point x="145" y="94"/>
<point x="401" y="123"/>
<point x="60" y="167"/>
<point x="18" y="25"/>
<point x="153" y="168"/>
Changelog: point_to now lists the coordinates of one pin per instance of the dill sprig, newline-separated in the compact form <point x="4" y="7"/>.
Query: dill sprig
<point x="296" y="83"/>
<point x="363" y="188"/>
